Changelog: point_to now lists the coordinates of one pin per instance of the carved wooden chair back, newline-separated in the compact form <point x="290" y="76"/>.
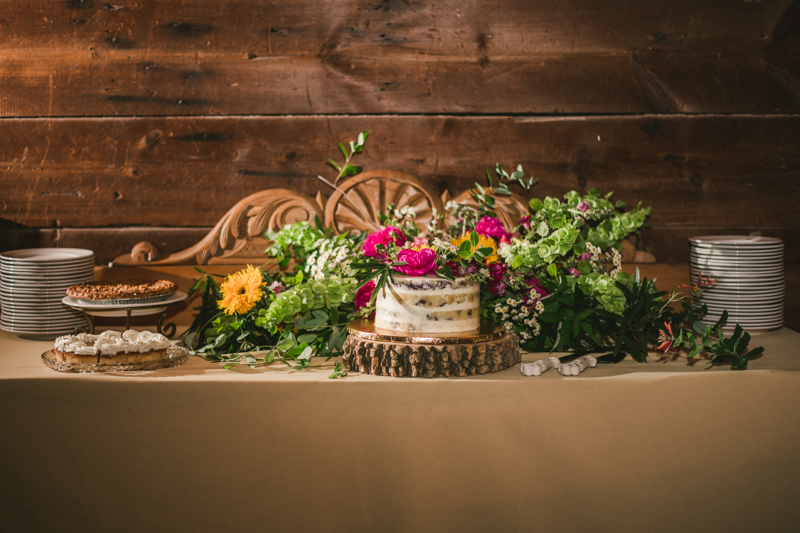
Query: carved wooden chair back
<point x="353" y="206"/>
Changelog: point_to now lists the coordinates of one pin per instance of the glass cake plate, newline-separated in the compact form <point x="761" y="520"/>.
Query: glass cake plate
<point x="176" y="355"/>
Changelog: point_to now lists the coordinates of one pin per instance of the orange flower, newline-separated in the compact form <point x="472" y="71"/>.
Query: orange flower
<point x="241" y="291"/>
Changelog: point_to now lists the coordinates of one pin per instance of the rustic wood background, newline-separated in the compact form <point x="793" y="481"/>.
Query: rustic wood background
<point x="126" y="121"/>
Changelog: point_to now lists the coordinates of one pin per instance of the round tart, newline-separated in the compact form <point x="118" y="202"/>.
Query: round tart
<point x="125" y="291"/>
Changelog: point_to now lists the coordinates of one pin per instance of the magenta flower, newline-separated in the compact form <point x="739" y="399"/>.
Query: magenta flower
<point x="496" y="288"/>
<point x="497" y="271"/>
<point x="582" y="207"/>
<point x="418" y="263"/>
<point x="492" y="227"/>
<point x="363" y="294"/>
<point x="575" y="272"/>
<point x="525" y="222"/>
<point x="585" y="256"/>
<point x="385" y="237"/>
<point x="534" y="283"/>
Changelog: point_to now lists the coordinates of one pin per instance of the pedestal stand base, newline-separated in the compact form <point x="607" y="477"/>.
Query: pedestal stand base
<point x="384" y="353"/>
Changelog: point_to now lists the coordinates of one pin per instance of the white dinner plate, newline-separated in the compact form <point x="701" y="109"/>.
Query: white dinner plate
<point x="741" y="267"/>
<point x="49" y="284"/>
<point x="739" y="276"/>
<point x="735" y="240"/>
<point x="46" y="255"/>
<point x="747" y="314"/>
<point x="55" y="332"/>
<point x="50" y="274"/>
<point x="738" y="252"/>
<point x="749" y="327"/>
<point x="5" y="271"/>
<point x="741" y="302"/>
<point x="43" y="324"/>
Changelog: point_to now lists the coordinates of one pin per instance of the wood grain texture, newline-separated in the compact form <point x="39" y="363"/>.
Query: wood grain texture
<point x="87" y="57"/>
<point x="694" y="170"/>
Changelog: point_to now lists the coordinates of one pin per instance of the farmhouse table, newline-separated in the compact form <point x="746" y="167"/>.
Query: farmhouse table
<point x="662" y="446"/>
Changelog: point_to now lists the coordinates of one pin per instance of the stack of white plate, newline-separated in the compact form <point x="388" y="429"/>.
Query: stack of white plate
<point x="750" y="279"/>
<point x="32" y="284"/>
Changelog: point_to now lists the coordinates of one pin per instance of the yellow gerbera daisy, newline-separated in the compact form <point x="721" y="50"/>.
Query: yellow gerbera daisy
<point x="241" y="290"/>
<point x="483" y="242"/>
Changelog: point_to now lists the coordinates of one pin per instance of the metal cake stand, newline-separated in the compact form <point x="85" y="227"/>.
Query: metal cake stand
<point x="128" y="310"/>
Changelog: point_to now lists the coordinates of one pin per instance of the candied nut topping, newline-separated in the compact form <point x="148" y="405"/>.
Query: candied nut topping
<point x="126" y="288"/>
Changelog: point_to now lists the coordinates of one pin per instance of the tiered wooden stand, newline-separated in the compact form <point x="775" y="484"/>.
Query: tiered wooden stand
<point x="369" y="350"/>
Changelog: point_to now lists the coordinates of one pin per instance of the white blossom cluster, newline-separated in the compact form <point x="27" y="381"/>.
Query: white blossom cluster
<point x="616" y="259"/>
<point x="443" y="245"/>
<point x="432" y="227"/>
<point x="330" y="259"/>
<point x="594" y="250"/>
<point x="404" y="212"/>
<point x="516" y="310"/>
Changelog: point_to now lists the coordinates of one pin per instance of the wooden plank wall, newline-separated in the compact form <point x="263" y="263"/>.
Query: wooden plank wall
<point x="124" y="121"/>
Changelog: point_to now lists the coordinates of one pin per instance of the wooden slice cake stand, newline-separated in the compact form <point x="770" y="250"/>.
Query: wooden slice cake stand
<point x="370" y="350"/>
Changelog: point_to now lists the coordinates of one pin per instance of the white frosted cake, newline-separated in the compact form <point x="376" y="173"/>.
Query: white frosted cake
<point x="112" y="346"/>
<point x="428" y="304"/>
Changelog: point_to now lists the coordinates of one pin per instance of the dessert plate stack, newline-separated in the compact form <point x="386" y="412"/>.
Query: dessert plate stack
<point x="750" y="279"/>
<point x="32" y="284"/>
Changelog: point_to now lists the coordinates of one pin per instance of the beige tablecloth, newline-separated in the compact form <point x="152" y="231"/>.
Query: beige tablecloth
<point x="662" y="446"/>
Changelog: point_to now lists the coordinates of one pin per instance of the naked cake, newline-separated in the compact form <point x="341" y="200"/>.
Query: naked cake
<point x="113" y="347"/>
<point x="123" y="291"/>
<point x="428" y="304"/>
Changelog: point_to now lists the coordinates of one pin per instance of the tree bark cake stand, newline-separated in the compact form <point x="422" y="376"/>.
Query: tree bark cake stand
<point x="370" y="350"/>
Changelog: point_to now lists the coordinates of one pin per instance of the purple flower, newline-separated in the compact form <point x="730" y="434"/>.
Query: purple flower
<point x="525" y="222"/>
<point x="497" y="271"/>
<point x="585" y="256"/>
<point x="492" y="227"/>
<point x="575" y="272"/>
<point x="276" y="287"/>
<point x="385" y="236"/>
<point x="363" y="294"/>
<point x="583" y="206"/>
<point x="496" y="288"/>
<point x="460" y="270"/>
<point x="418" y="263"/>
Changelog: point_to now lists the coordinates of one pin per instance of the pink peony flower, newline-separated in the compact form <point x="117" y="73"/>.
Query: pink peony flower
<point x="363" y="294"/>
<point x="525" y="222"/>
<point x="582" y="207"/>
<point x="419" y="243"/>
<point x="492" y="227"/>
<point x="419" y="263"/>
<point x="385" y="236"/>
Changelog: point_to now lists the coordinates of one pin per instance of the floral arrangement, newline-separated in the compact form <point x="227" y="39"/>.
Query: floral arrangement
<point x="554" y="280"/>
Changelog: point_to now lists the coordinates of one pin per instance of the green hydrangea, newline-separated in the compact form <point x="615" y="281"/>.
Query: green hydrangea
<point x="300" y="235"/>
<point x="603" y="288"/>
<point x="611" y="231"/>
<point x="554" y="246"/>
<point x="327" y="293"/>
